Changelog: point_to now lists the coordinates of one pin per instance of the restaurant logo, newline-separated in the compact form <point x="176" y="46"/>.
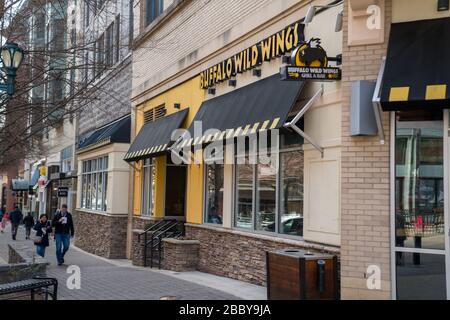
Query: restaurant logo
<point x="310" y="62"/>
<point x="310" y="54"/>
<point x="275" y="46"/>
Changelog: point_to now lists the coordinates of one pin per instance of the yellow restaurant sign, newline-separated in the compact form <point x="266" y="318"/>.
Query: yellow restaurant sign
<point x="276" y="45"/>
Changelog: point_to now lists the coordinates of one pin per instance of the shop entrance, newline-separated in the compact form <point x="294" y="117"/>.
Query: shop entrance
<point x="420" y="204"/>
<point x="175" y="203"/>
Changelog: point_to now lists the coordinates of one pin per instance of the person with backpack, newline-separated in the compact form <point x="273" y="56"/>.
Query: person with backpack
<point x="28" y="221"/>
<point x="15" y="217"/>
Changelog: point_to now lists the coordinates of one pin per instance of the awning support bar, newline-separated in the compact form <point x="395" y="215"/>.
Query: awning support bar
<point x="376" y="101"/>
<point x="293" y="124"/>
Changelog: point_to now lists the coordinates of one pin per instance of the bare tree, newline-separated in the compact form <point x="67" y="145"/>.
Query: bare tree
<point x="59" y="74"/>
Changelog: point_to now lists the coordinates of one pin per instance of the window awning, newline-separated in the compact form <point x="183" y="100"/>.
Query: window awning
<point x="417" y="72"/>
<point x="20" y="185"/>
<point x="115" y="132"/>
<point x="263" y="105"/>
<point x="155" y="137"/>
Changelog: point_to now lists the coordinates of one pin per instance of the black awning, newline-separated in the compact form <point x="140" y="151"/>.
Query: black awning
<point x="263" y="105"/>
<point x="115" y="132"/>
<point x="417" y="73"/>
<point x="155" y="137"/>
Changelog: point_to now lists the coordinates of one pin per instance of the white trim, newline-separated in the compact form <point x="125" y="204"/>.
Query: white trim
<point x="376" y="101"/>
<point x="421" y="251"/>
<point x="392" y="207"/>
<point x="447" y="198"/>
<point x="393" y="247"/>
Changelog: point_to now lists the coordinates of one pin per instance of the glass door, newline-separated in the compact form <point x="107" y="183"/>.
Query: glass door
<point x="420" y="209"/>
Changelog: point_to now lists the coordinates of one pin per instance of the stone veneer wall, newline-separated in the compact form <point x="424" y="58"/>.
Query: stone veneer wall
<point x="100" y="234"/>
<point x="180" y="255"/>
<point x="239" y="255"/>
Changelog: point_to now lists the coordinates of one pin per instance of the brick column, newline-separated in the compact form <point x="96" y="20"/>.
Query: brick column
<point x="365" y="181"/>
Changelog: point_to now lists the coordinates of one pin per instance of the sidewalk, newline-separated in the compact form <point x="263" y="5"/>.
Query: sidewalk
<point x="103" y="279"/>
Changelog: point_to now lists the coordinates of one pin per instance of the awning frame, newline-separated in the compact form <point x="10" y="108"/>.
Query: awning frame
<point x="293" y="124"/>
<point x="376" y="102"/>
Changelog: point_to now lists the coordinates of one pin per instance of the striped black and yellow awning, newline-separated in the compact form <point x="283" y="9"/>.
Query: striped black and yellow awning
<point x="263" y="105"/>
<point x="155" y="138"/>
<point x="417" y="73"/>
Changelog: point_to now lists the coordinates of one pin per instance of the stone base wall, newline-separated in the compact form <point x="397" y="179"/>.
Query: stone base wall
<point x="102" y="235"/>
<point x="137" y="247"/>
<point x="181" y="255"/>
<point x="238" y="255"/>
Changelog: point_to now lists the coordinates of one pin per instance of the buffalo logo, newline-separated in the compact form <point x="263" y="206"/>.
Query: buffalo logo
<point x="310" y="54"/>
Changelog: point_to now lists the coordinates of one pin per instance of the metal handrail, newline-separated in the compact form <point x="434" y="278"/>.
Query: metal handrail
<point x="152" y="228"/>
<point x="166" y="229"/>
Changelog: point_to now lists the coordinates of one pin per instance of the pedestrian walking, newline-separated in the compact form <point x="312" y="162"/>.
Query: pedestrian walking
<point x="43" y="228"/>
<point x="64" y="230"/>
<point x="4" y="220"/>
<point x="15" y="217"/>
<point x="2" y="213"/>
<point x="28" y="221"/>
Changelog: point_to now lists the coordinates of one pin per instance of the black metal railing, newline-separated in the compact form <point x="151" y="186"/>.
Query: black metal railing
<point x="153" y="239"/>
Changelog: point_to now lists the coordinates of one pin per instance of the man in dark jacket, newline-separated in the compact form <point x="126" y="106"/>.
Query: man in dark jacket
<point x="28" y="221"/>
<point x="64" y="230"/>
<point x="15" y="217"/>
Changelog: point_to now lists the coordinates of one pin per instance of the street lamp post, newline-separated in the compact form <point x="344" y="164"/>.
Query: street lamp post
<point x="11" y="58"/>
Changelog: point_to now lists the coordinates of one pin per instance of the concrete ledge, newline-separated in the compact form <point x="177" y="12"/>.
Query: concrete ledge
<point x="181" y="242"/>
<point x="22" y="264"/>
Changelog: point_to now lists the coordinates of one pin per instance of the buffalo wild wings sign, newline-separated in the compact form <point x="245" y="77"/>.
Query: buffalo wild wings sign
<point x="268" y="49"/>
<point x="310" y="62"/>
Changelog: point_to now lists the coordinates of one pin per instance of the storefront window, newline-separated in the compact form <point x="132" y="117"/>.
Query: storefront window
<point x="94" y="184"/>
<point x="214" y="193"/>
<point x="267" y="194"/>
<point x="276" y="206"/>
<point x="66" y="159"/>
<point x="148" y="187"/>
<point x="244" y="195"/>
<point x="291" y="193"/>
<point x="419" y="194"/>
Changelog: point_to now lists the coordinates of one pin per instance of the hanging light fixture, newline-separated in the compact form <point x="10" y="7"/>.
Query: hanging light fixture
<point x="339" y="21"/>
<point x="313" y="10"/>
<point x="310" y="14"/>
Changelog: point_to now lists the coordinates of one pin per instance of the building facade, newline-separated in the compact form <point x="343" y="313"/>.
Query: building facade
<point x="394" y="200"/>
<point x="368" y="180"/>
<point x="236" y="211"/>
<point x="103" y="126"/>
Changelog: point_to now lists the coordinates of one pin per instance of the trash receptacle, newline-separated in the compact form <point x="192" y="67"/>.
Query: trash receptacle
<point x="301" y="275"/>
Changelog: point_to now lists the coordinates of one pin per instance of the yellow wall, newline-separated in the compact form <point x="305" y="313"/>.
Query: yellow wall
<point x="194" y="202"/>
<point x="190" y="96"/>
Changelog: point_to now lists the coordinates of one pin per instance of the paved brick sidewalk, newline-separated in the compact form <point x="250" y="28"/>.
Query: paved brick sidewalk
<point x="101" y="280"/>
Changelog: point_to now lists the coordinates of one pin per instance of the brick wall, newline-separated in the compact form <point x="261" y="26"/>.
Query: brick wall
<point x="201" y="21"/>
<point x="112" y="99"/>
<point x="365" y="181"/>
